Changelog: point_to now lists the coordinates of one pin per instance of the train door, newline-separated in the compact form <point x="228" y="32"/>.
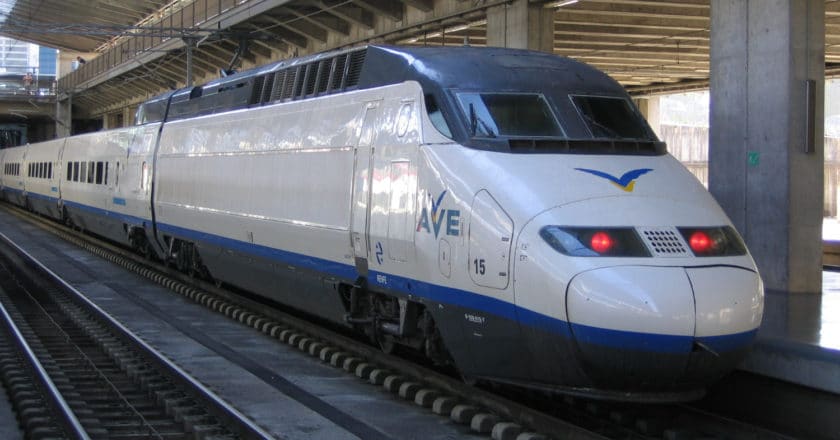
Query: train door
<point x="362" y="181"/>
<point x="490" y="234"/>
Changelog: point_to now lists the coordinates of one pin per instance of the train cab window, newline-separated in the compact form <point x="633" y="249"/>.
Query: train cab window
<point x="436" y="116"/>
<point x="610" y="117"/>
<point x="509" y="114"/>
<point x="99" y="171"/>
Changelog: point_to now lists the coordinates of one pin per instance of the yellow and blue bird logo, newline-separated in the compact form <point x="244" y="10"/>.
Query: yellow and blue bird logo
<point x="626" y="182"/>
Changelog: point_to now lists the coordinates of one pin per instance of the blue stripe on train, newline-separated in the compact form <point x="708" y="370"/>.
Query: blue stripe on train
<point x="627" y="340"/>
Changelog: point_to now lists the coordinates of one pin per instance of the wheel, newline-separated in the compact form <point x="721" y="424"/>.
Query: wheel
<point x="386" y="343"/>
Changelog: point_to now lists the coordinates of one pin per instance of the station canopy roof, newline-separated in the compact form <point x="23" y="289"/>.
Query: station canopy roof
<point x="649" y="46"/>
<point x="77" y="25"/>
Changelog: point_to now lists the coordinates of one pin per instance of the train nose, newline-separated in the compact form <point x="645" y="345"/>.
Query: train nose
<point x="658" y="328"/>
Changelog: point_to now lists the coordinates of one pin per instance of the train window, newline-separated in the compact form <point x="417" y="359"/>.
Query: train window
<point x="610" y="117"/>
<point x="99" y="172"/>
<point x="117" y="178"/>
<point x="90" y="172"/>
<point x="105" y="180"/>
<point x="83" y="172"/>
<point x="404" y="119"/>
<point x="436" y="116"/>
<point x="49" y="170"/>
<point x="509" y="114"/>
<point x="69" y="171"/>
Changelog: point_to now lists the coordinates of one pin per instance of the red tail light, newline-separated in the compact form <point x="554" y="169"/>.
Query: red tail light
<point x="714" y="242"/>
<point x="700" y="242"/>
<point x="601" y="242"/>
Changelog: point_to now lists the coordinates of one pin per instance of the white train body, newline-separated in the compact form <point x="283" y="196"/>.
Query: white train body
<point x="361" y="207"/>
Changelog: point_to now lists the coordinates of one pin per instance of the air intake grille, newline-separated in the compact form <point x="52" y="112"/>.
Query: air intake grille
<point x="664" y="242"/>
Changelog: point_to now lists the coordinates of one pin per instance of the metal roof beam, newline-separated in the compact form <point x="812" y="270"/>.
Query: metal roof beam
<point x="387" y="8"/>
<point x="350" y="13"/>
<point x="326" y="23"/>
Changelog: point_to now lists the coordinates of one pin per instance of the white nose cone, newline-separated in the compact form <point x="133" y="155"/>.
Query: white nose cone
<point x="730" y="304"/>
<point x="633" y="308"/>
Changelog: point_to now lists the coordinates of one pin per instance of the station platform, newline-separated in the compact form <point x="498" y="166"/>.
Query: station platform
<point x="799" y="338"/>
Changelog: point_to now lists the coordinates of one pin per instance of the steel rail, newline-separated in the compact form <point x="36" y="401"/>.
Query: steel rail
<point x="248" y="429"/>
<point x="53" y="396"/>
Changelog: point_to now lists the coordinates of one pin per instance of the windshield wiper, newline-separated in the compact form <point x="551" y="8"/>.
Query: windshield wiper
<point x="475" y="120"/>
<point x="606" y="130"/>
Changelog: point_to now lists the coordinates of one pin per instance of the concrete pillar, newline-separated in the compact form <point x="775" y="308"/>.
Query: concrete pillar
<point x="649" y="106"/>
<point x="128" y="116"/>
<point x="521" y="24"/>
<point x="763" y="52"/>
<point x="63" y="116"/>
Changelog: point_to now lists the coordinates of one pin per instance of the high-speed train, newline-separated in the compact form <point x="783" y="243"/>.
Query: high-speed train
<point x="504" y="211"/>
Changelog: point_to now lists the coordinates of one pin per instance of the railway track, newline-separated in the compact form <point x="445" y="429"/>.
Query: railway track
<point x="73" y="372"/>
<point x="500" y="413"/>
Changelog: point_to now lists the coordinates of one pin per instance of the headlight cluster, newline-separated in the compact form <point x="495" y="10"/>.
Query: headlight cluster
<point x="595" y="242"/>
<point x="626" y="242"/>
<point x="713" y="242"/>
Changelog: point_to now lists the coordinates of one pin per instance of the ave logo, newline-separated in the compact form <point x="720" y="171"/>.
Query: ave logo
<point x="434" y="219"/>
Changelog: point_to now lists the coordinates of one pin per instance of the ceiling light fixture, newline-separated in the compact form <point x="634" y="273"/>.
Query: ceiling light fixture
<point x="560" y="4"/>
